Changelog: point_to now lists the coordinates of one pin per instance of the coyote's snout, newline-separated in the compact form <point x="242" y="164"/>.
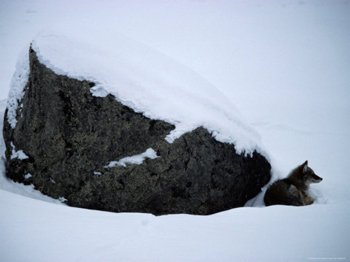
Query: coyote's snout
<point x="293" y="190"/>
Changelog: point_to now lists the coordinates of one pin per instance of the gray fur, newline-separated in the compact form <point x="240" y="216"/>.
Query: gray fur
<point x="293" y="190"/>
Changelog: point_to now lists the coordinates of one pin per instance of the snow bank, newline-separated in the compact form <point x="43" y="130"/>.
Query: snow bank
<point x="37" y="231"/>
<point x="148" y="82"/>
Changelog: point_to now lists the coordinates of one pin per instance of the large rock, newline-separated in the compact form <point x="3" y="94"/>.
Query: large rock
<point x="65" y="137"/>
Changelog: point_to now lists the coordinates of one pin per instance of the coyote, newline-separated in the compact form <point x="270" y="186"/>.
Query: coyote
<point x="292" y="190"/>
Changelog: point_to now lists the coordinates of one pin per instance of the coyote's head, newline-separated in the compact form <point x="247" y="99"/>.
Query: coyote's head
<point x="308" y="175"/>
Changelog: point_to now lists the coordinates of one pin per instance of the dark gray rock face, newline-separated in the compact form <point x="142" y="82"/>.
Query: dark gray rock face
<point x="69" y="135"/>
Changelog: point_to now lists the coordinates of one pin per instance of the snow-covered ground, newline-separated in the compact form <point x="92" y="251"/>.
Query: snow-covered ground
<point x="284" y="64"/>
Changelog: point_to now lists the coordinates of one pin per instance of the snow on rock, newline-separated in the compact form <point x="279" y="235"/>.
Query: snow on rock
<point x="82" y="133"/>
<point x="17" y="154"/>
<point x="148" y="82"/>
<point x="27" y="176"/>
<point x="139" y="99"/>
<point x="18" y="83"/>
<point x="97" y="173"/>
<point x="136" y="159"/>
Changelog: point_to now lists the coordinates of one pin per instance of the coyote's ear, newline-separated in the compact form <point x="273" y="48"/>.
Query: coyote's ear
<point x="305" y="166"/>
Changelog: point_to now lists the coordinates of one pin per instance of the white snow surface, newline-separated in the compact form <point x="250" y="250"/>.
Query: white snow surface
<point x="135" y="159"/>
<point x="285" y="64"/>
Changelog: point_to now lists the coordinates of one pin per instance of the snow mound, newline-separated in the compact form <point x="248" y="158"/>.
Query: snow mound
<point x="145" y="80"/>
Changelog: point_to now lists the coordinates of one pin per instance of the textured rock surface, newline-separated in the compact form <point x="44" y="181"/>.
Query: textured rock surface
<point x="69" y="135"/>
